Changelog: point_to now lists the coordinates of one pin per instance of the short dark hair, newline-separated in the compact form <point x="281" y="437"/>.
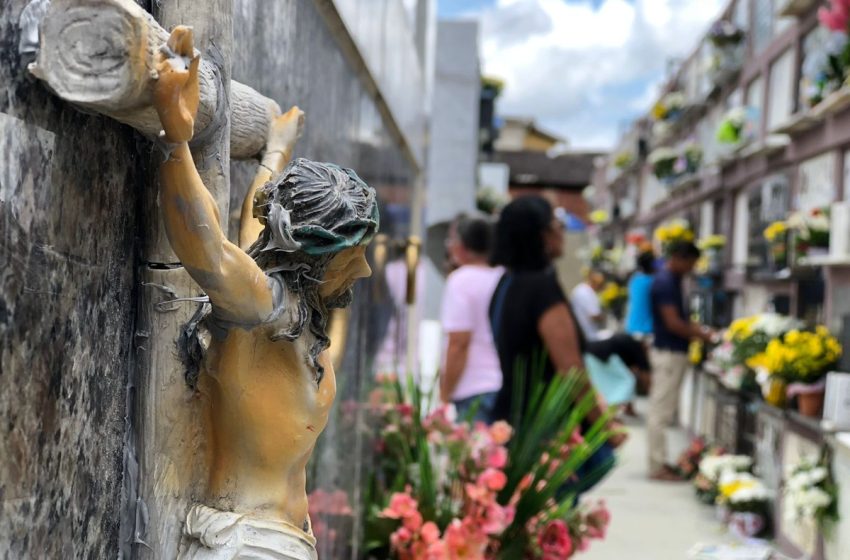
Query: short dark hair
<point x="683" y="250"/>
<point x="475" y="233"/>
<point x="646" y="262"/>
<point x="519" y="242"/>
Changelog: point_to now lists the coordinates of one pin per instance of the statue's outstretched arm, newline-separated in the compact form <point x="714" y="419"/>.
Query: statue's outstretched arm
<point x="237" y="287"/>
<point x="283" y="133"/>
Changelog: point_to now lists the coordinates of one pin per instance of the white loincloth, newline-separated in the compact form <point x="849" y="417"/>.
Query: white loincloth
<point x="210" y="534"/>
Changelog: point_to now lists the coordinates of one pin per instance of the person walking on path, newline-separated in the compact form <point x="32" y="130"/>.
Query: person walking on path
<point x="673" y="331"/>
<point x="585" y="302"/>
<point x="471" y="375"/>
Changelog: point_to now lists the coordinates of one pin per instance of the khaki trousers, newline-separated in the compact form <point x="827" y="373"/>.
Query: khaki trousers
<point x="668" y="371"/>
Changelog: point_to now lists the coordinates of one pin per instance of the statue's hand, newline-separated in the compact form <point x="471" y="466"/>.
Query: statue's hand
<point x="176" y="90"/>
<point x="285" y="130"/>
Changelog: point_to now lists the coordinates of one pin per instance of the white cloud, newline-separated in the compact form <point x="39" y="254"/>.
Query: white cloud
<point x="564" y="62"/>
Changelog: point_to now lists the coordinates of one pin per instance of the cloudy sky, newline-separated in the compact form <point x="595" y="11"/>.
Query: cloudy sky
<point x="583" y="68"/>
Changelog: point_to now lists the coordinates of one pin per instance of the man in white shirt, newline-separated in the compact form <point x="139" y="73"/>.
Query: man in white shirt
<point x="585" y="302"/>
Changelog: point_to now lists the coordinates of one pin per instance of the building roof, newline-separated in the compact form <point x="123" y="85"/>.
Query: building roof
<point x="533" y="128"/>
<point x="568" y="170"/>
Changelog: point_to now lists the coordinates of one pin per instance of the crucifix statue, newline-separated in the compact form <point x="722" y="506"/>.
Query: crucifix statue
<point x="266" y="382"/>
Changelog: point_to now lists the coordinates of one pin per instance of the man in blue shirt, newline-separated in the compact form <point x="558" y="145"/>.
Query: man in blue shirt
<point x="672" y="331"/>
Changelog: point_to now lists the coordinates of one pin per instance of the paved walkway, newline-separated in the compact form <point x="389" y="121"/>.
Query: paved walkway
<point x="651" y="520"/>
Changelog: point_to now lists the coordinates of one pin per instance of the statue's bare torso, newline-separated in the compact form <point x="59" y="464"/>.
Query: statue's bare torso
<point x="264" y="412"/>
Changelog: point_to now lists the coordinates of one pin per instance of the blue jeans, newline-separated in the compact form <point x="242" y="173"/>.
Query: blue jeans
<point x="486" y="403"/>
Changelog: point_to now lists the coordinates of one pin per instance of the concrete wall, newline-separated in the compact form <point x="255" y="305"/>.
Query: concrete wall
<point x="453" y="150"/>
<point x="69" y="187"/>
<point x="453" y="155"/>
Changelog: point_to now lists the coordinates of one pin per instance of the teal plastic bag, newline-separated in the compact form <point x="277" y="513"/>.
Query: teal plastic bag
<point x="613" y="379"/>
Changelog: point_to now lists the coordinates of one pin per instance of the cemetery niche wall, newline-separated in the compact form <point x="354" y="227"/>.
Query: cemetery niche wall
<point x="80" y="476"/>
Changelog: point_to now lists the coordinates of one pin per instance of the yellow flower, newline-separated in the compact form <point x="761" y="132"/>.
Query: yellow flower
<point x="775" y="230"/>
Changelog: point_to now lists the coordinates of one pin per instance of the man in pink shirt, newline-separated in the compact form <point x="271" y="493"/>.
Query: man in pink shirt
<point x="471" y="374"/>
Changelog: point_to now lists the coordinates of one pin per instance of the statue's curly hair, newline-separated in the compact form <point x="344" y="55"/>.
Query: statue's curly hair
<point x="311" y="212"/>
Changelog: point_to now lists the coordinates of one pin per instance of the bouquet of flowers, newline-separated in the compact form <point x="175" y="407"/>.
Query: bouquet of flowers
<point x="736" y="126"/>
<point x="442" y="489"/>
<point x="750" y="336"/>
<point x="712" y="243"/>
<point x="490" y="200"/>
<point x="669" y="107"/>
<point x="724" y="33"/>
<point x="599" y="217"/>
<point x="799" y="356"/>
<point x="689" y="460"/>
<point x="811" y="493"/>
<point x="811" y="228"/>
<point x="624" y="159"/>
<point x="825" y="71"/>
<point x="775" y="231"/>
<point x="674" y="231"/>
<point x="712" y="467"/>
<point x="613" y="296"/>
<point x="746" y="500"/>
<point x="663" y="162"/>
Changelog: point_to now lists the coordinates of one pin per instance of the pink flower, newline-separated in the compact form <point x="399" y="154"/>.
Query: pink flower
<point x="836" y="17"/>
<point x="496" y="519"/>
<point x="400" y="538"/>
<point x="405" y="410"/>
<point x="493" y="479"/>
<point x="555" y="541"/>
<point x="501" y="432"/>
<point x="430" y="532"/>
<point x="525" y="482"/>
<point x="497" y="458"/>
<point x="402" y="505"/>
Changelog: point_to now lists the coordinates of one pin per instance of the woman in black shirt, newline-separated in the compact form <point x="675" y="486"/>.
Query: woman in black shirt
<point x="530" y="316"/>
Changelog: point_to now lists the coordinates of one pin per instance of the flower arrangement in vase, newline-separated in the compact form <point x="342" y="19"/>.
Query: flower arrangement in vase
<point x="663" y="161"/>
<point x="724" y="33"/>
<point x="826" y="71"/>
<point x="712" y="247"/>
<point x="669" y="107"/>
<point x="613" y="296"/>
<point x="745" y="502"/>
<point x="811" y="493"/>
<point x="599" y="217"/>
<point x="801" y="359"/>
<point x="442" y="489"/>
<point x="776" y="235"/>
<point x="624" y="159"/>
<point x="714" y="464"/>
<point x="737" y="126"/>
<point x="676" y="230"/>
<point x="811" y="230"/>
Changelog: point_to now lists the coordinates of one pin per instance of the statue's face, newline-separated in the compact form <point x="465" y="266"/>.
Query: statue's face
<point x="343" y="270"/>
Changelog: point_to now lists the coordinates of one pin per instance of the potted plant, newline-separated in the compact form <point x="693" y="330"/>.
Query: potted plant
<point x="776" y="235"/>
<point x="801" y="358"/>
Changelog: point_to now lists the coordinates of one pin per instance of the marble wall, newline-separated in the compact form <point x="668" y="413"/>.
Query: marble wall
<point x="69" y="190"/>
<point x="70" y="187"/>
